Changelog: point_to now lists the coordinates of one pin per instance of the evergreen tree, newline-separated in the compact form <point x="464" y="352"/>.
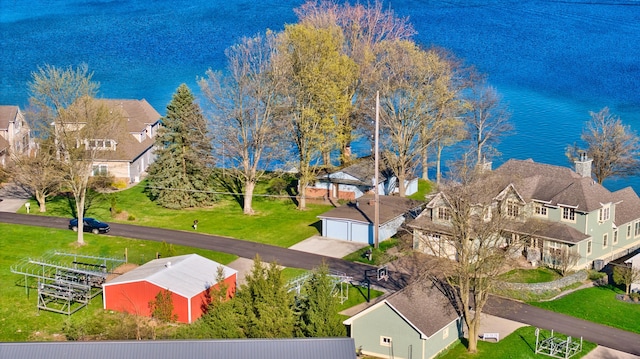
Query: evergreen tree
<point x="179" y="178"/>
<point x="162" y="307"/>
<point x="267" y="306"/>
<point x="317" y="307"/>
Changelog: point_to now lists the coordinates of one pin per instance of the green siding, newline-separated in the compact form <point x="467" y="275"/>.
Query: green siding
<point x="406" y="343"/>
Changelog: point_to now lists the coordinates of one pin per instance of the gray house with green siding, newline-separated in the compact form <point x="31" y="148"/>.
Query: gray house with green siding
<point x="417" y="322"/>
<point x="561" y="212"/>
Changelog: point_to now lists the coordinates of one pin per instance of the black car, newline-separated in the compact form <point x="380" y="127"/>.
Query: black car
<point x="90" y="225"/>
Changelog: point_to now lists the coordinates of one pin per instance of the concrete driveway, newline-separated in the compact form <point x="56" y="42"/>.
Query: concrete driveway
<point x="327" y="247"/>
<point x="12" y="197"/>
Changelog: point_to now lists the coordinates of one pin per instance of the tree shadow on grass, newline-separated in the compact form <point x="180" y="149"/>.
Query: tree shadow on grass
<point x="232" y="185"/>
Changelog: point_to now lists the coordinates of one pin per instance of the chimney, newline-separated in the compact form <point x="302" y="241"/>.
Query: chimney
<point x="583" y="165"/>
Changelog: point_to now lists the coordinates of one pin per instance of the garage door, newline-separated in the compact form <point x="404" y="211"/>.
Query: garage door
<point x="337" y="229"/>
<point x="360" y="232"/>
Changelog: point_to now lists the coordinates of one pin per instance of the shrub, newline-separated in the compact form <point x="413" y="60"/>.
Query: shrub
<point x="131" y="217"/>
<point x="277" y="186"/>
<point x="595" y="275"/>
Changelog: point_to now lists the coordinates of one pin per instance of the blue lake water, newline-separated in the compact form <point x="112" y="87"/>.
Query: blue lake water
<point x="552" y="61"/>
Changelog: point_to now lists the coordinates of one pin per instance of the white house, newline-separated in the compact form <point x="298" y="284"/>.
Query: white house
<point x="356" y="180"/>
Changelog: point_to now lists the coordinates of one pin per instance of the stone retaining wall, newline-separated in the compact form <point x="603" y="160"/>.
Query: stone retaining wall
<point x="540" y="288"/>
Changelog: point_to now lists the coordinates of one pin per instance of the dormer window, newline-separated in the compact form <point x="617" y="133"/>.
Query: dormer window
<point x="604" y="213"/>
<point x="540" y="210"/>
<point x="568" y="214"/>
<point x="513" y="208"/>
<point x="444" y="213"/>
<point x="101" y="144"/>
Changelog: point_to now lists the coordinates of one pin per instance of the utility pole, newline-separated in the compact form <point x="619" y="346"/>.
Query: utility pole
<point x="376" y="216"/>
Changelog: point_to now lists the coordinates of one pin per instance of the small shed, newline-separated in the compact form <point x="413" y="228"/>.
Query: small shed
<point x="355" y="220"/>
<point x="418" y="321"/>
<point x="188" y="278"/>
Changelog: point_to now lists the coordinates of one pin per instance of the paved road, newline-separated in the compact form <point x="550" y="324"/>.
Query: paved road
<point x="245" y="249"/>
<point x="602" y="335"/>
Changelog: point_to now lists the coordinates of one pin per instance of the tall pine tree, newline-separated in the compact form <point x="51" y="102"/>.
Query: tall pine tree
<point x="179" y="178"/>
<point x="317" y="307"/>
<point x="266" y="303"/>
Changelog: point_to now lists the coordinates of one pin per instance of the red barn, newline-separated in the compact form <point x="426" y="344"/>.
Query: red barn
<point x="187" y="277"/>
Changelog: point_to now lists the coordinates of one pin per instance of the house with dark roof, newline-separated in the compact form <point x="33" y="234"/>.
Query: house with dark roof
<point x="559" y="210"/>
<point x="188" y="278"/>
<point x="308" y="348"/>
<point x="15" y="134"/>
<point x="418" y="321"/>
<point x="354" y="221"/>
<point x="128" y="154"/>
<point x="356" y="180"/>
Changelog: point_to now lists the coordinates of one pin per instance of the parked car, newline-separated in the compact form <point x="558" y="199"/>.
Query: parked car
<point x="90" y="225"/>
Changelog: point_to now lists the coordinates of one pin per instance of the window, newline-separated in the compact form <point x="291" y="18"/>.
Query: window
<point x="605" y="240"/>
<point x="100" y="170"/>
<point x="444" y="213"/>
<point x="540" y="210"/>
<point x="513" y="209"/>
<point x="628" y="231"/>
<point x="589" y="247"/>
<point x="604" y="213"/>
<point x="101" y="144"/>
<point x="534" y="242"/>
<point x="385" y="341"/>
<point x="445" y="333"/>
<point x="637" y="232"/>
<point x="568" y="214"/>
<point x="615" y="237"/>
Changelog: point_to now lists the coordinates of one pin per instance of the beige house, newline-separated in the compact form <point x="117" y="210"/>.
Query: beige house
<point x="130" y="156"/>
<point x="15" y="134"/>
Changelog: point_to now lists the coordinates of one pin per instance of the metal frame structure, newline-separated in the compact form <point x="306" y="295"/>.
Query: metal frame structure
<point x="66" y="282"/>
<point x="557" y="347"/>
<point x="341" y="283"/>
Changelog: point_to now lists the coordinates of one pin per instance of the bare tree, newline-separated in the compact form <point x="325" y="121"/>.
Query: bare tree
<point x="64" y="111"/>
<point x="613" y="146"/>
<point x="486" y="121"/>
<point x="476" y="244"/>
<point x="38" y="175"/>
<point x="563" y="259"/>
<point x="410" y="83"/>
<point x="244" y="104"/>
<point x="77" y="130"/>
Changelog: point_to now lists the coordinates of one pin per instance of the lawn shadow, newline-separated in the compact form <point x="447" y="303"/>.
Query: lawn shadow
<point x="232" y="185"/>
<point x="318" y="226"/>
<point x="292" y="195"/>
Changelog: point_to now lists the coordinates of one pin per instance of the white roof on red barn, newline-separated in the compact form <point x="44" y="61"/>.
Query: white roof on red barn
<point x="187" y="275"/>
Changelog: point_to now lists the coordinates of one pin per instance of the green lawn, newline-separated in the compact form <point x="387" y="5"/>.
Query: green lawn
<point x="18" y="307"/>
<point x="599" y="305"/>
<point x="276" y="222"/>
<point x="520" y="344"/>
<point x="538" y="275"/>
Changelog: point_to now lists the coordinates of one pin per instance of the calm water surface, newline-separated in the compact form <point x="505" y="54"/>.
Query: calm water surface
<point x="553" y="61"/>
